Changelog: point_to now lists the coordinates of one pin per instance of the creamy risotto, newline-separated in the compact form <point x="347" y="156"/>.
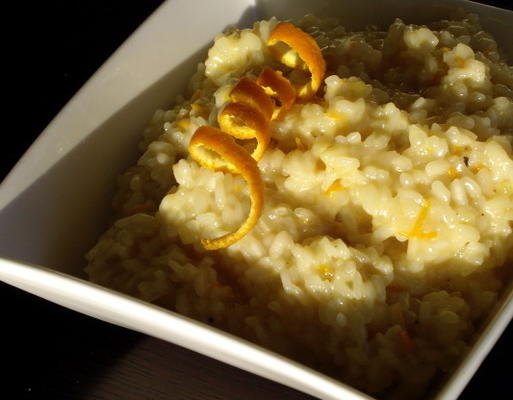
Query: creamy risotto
<point x="386" y="229"/>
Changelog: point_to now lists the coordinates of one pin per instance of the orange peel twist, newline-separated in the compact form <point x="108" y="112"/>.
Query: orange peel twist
<point x="302" y="47"/>
<point x="279" y="87"/>
<point x="248" y="117"/>
<point x="251" y="93"/>
<point x="245" y="122"/>
<point x="233" y="158"/>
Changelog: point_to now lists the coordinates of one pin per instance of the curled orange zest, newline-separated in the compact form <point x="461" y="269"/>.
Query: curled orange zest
<point x="280" y="88"/>
<point x="249" y="92"/>
<point x="208" y="144"/>
<point x="245" y="122"/>
<point x="302" y="48"/>
<point x="248" y="117"/>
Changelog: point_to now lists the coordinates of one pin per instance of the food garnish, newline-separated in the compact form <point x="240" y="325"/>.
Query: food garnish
<point x="218" y="151"/>
<point x="304" y="54"/>
<point x="280" y="89"/>
<point x="253" y="106"/>
<point x="245" y="122"/>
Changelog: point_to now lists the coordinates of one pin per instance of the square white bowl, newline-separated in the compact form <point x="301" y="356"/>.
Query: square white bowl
<point x="38" y="211"/>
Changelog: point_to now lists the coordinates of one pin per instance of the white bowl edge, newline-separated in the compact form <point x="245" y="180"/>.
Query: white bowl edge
<point x="129" y="312"/>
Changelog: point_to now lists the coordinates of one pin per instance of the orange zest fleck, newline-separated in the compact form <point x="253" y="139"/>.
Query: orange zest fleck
<point x="458" y="149"/>
<point x="278" y="88"/>
<point x="452" y="172"/>
<point x="218" y="151"/>
<point x="476" y="168"/>
<point x="333" y="188"/>
<point x="184" y="123"/>
<point x="200" y="110"/>
<point x="397" y="315"/>
<point x="243" y="121"/>
<point x="326" y="272"/>
<point x="319" y="165"/>
<point x="333" y="114"/>
<point x="304" y="54"/>
<point x="460" y="61"/>
<point x="416" y="231"/>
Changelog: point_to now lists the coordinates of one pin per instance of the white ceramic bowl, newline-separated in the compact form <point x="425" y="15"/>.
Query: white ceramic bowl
<point x="37" y="211"/>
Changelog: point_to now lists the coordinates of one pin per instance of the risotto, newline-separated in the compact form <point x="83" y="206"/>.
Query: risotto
<point x="385" y="232"/>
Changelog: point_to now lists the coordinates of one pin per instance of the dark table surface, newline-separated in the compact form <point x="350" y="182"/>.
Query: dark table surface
<point x="51" y="352"/>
